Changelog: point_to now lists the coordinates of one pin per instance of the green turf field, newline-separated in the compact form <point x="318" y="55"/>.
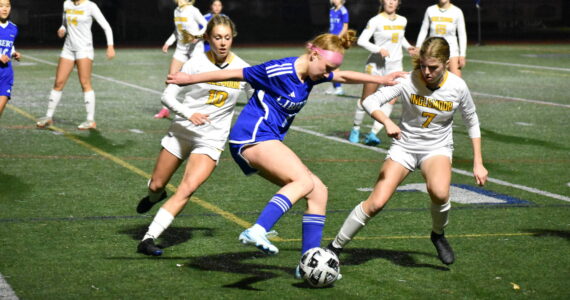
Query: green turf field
<point x="69" y="230"/>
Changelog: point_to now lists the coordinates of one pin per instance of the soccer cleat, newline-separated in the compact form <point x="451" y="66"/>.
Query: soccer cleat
<point x="163" y="113"/>
<point x="298" y="272"/>
<point x="258" y="238"/>
<point x="334" y="249"/>
<point x="338" y="91"/>
<point x="87" y="125"/>
<point x="444" y="251"/>
<point x="44" y="122"/>
<point x="330" y="90"/>
<point x="147" y="247"/>
<point x="145" y="205"/>
<point x="371" y="139"/>
<point x="354" y="136"/>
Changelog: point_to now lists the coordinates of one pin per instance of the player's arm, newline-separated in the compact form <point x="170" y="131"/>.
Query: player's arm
<point x="61" y="31"/>
<point x="358" y="77"/>
<point x="364" y="39"/>
<point x="423" y="31"/>
<point x="373" y="103"/>
<point x="462" y="34"/>
<point x="182" y="78"/>
<point x="471" y="120"/>
<point x="98" y="16"/>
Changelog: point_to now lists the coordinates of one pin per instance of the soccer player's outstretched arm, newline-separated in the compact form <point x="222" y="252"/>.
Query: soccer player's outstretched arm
<point x="182" y="78"/>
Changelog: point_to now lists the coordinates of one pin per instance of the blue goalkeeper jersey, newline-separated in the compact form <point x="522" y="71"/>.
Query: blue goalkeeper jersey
<point x="279" y="95"/>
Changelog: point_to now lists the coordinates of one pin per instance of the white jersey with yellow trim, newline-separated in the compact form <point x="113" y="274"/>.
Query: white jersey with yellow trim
<point x="77" y="21"/>
<point x="427" y="116"/>
<point x="187" y="20"/>
<point x="388" y="34"/>
<point x="448" y="23"/>
<point x="217" y="99"/>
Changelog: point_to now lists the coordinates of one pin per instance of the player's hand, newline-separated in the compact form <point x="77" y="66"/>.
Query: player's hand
<point x="61" y="33"/>
<point x="199" y="119"/>
<point x="480" y="173"/>
<point x="110" y="52"/>
<point x="390" y="78"/>
<point x="384" y="52"/>
<point x="392" y="130"/>
<point x="413" y="51"/>
<point x="16" y="56"/>
<point x="165" y="48"/>
<point x="462" y="61"/>
<point x="4" y="58"/>
<point x="179" y="78"/>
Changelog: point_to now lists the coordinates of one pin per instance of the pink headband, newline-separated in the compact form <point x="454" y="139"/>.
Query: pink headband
<point x="332" y="56"/>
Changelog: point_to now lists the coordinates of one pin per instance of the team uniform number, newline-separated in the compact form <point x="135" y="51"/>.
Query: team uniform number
<point x="217" y="98"/>
<point x="440" y="29"/>
<point x="72" y="20"/>
<point x="429" y="118"/>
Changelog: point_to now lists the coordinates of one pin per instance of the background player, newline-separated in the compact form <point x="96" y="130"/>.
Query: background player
<point x="8" y="34"/>
<point x="215" y="9"/>
<point x="78" y="16"/>
<point x="256" y="140"/>
<point x="424" y="140"/>
<point x="187" y="35"/>
<point x="388" y="29"/>
<point x="446" y="20"/>
<point x="199" y="132"/>
<point x="338" y="19"/>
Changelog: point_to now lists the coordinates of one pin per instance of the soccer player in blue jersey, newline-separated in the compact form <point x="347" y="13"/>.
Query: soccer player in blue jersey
<point x="215" y="9"/>
<point x="8" y="33"/>
<point x="282" y="88"/>
<point x="338" y="19"/>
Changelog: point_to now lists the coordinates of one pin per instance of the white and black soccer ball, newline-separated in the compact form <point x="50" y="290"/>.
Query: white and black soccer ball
<point x="319" y="267"/>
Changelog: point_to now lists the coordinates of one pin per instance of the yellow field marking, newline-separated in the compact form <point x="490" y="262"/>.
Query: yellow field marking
<point x="408" y="237"/>
<point x="229" y="216"/>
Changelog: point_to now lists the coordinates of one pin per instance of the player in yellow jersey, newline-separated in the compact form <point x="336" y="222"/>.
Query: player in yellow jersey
<point x="199" y="131"/>
<point x="388" y="29"/>
<point x="446" y="20"/>
<point x="430" y="96"/>
<point x="78" y="16"/>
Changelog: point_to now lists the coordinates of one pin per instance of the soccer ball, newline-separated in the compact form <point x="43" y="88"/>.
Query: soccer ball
<point x="319" y="267"/>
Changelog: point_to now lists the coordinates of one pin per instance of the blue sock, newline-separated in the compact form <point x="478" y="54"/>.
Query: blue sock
<point x="336" y="84"/>
<point x="312" y="231"/>
<point x="277" y="207"/>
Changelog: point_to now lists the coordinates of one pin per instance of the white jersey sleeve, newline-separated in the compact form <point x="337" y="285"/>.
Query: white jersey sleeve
<point x="98" y="16"/>
<point x="423" y="31"/>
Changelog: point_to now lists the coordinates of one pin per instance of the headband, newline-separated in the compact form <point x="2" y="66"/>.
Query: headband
<point x="332" y="56"/>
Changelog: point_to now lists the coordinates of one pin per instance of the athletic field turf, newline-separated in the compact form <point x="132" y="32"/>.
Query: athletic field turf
<point x="69" y="230"/>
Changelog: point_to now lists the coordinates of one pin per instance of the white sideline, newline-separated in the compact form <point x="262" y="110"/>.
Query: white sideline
<point x="336" y="139"/>
<point x="517" y="65"/>
<point x="6" y="291"/>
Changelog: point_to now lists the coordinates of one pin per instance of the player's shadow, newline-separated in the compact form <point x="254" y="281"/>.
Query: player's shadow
<point x="95" y="138"/>
<point x="514" y="140"/>
<point x="358" y="256"/>
<point x="565" y="234"/>
<point x="171" y="236"/>
<point x="11" y="186"/>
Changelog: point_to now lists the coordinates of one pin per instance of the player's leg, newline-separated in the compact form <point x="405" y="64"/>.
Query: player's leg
<point x="391" y="175"/>
<point x="64" y="69"/>
<point x="280" y="165"/>
<point x="367" y="90"/>
<point x="437" y="173"/>
<point x="3" y="102"/>
<point x="84" y="70"/>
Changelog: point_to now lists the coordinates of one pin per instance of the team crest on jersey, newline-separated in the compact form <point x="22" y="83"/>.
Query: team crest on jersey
<point x="292" y="95"/>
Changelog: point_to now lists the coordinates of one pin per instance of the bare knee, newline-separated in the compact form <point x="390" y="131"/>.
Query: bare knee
<point x="438" y="195"/>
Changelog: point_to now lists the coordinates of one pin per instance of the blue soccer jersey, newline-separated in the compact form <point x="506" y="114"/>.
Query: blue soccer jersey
<point x="337" y="19"/>
<point x="8" y="33"/>
<point x="279" y="95"/>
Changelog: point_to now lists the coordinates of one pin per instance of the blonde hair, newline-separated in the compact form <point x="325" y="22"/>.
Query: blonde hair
<point x="182" y="3"/>
<point x="220" y="20"/>
<point x="435" y="47"/>
<point x="333" y="42"/>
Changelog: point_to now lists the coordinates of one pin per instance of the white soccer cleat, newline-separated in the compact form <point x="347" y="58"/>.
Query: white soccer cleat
<point x="87" y="125"/>
<point x="44" y="122"/>
<point x="338" y="91"/>
<point x="257" y="236"/>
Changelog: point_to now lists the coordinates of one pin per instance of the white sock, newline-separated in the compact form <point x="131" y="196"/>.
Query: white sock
<point x="440" y="216"/>
<point x="353" y="223"/>
<point x="161" y="221"/>
<point x="89" y="98"/>
<point x="358" y="115"/>
<point x="53" y="101"/>
<point x="387" y="110"/>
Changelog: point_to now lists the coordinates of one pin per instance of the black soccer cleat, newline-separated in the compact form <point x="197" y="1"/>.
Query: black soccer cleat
<point x="145" y="205"/>
<point x="334" y="249"/>
<point x="147" y="247"/>
<point x="444" y="251"/>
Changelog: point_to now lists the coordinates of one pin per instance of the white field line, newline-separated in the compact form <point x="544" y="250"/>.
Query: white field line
<point x="517" y="65"/>
<point x="520" y="99"/>
<point x="6" y="291"/>
<point x="336" y="139"/>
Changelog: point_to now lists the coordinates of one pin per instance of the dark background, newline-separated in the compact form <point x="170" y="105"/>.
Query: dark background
<point x="149" y="22"/>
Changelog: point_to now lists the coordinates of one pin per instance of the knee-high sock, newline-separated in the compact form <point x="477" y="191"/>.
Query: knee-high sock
<point x="90" y="104"/>
<point x="387" y="110"/>
<point x="312" y="231"/>
<point x="440" y="216"/>
<point x="358" y="115"/>
<point x="161" y="221"/>
<point x="353" y="223"/>
<point x="273" y="211"/>
<point x="53" y="101"/>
